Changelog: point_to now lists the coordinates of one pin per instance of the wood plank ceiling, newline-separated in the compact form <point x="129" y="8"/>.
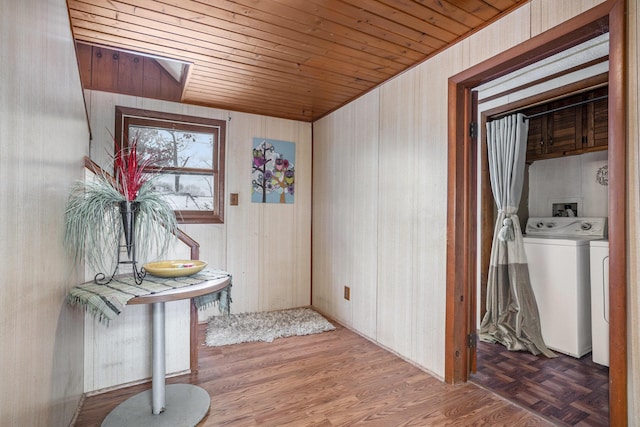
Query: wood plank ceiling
<point x="295" y="59"/>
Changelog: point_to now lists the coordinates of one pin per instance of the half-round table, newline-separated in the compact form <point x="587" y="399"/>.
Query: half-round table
<point x="175" y="405"/>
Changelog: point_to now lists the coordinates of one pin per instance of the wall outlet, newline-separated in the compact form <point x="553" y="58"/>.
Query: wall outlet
<point x="233" y="199"/>
<point x="347" y="293"/>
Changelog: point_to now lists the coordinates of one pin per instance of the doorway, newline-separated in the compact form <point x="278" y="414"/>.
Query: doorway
<point x="462" y="224"/>
<point x="567" y="390"/>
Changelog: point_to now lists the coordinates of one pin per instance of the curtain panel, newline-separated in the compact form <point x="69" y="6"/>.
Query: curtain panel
<point x="512" y="317"/>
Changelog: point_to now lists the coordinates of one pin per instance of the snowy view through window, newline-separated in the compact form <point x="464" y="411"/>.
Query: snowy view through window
<point x="187" y="177"/>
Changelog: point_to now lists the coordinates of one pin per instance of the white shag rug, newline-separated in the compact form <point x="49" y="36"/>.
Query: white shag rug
<point x="264" y="326"/>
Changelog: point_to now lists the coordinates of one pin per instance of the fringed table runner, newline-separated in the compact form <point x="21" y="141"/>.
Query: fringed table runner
<point x="107" y="301"/>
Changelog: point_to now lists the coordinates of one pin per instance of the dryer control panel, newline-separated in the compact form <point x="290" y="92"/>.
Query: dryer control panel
<point x="571" y="227"/>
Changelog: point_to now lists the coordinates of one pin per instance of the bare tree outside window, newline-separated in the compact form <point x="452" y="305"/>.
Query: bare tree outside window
<point x="191" y="150"/>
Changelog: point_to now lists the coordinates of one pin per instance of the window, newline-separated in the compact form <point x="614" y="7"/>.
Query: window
<point x="192" y="153"/>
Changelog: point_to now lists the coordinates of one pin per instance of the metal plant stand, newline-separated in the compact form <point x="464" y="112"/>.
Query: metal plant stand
<point x="129" y="212"/>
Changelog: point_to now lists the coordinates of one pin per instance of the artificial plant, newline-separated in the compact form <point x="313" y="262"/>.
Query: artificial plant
<point x="93" y="220"/>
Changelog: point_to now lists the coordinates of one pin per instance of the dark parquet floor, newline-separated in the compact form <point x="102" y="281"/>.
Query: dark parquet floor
<point x="565" y="390"/>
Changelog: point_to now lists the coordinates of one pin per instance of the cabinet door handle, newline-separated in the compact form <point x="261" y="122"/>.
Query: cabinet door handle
<point x="542" y="142"/>
<point x="550" y="141"/>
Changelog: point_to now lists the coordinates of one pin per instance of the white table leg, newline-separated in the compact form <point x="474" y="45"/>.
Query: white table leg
<point x="159" y="362"/>
<point x="188" y="404"/>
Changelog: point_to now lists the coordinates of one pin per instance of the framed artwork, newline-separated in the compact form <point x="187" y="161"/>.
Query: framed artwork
<point x="273" y="171"/>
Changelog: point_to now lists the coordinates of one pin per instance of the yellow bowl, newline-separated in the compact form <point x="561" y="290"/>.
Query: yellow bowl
<point x="174" y="268"/>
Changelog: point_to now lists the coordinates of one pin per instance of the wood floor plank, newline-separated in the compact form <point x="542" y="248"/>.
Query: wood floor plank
<point x="330" y="379"/>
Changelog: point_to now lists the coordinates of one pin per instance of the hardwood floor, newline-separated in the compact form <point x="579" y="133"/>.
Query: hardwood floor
<point x="566" y="390"/>
<point x="330" y="379"/>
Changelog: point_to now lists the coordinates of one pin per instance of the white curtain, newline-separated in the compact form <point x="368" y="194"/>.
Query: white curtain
<point x="512" y="317"/>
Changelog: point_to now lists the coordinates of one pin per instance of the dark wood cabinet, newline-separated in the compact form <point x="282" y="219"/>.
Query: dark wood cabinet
<point x="598" y="121"/>
<point x="561" y="128"/>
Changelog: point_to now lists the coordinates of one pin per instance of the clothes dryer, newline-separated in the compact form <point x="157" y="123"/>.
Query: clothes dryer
<point x="599" y="261"/>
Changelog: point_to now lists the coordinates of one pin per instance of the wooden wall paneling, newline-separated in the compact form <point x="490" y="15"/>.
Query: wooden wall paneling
<point x="430" y="196"/>
<point x="249" y="232"/>
<point x="363" y="122"/>
<point x="104" y="69"/>
<point x="43" y="137"/>
<point x="170" y="89"/>
<point x="342" y="192"/>
<point x="286" y="227"/>
<point x="345" y="193"/>
<point x="126" y="73"/>
<point x="329" y="250"/>
<point x="102" y="144"/>
<point x="152" y="80"/>
<point x="242" y="249"/>
<point x="332" y="240"/>
<point x="425" y="253"/>
<point x="500" y="35"/>
<point x="321" y="207"/>
<point x="120" y="353"/>
<point x="277" y="265"/>
<point x="274" y="273"/>
<point x="130" y="73"/>
<point x="268" y="244"/>
<point x="85" y="56"/>
<point x="302" y="134"/>
<point x="155" y="81"/>
<point x="397" y="215"/>
<point x="546" y="14"/>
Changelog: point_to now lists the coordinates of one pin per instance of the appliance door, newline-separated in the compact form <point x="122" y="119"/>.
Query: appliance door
<point x="559" y="273"/>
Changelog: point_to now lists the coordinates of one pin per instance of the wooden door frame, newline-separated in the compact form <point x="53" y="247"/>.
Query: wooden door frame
<point x="462" y="183"/>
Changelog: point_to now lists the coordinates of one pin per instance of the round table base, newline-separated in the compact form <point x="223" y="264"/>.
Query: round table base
<point x="186" y="406"/>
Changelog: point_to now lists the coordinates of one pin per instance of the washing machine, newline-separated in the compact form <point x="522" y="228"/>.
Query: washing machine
<point x="599" y="261"/>
<point x="557" y="250"/>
